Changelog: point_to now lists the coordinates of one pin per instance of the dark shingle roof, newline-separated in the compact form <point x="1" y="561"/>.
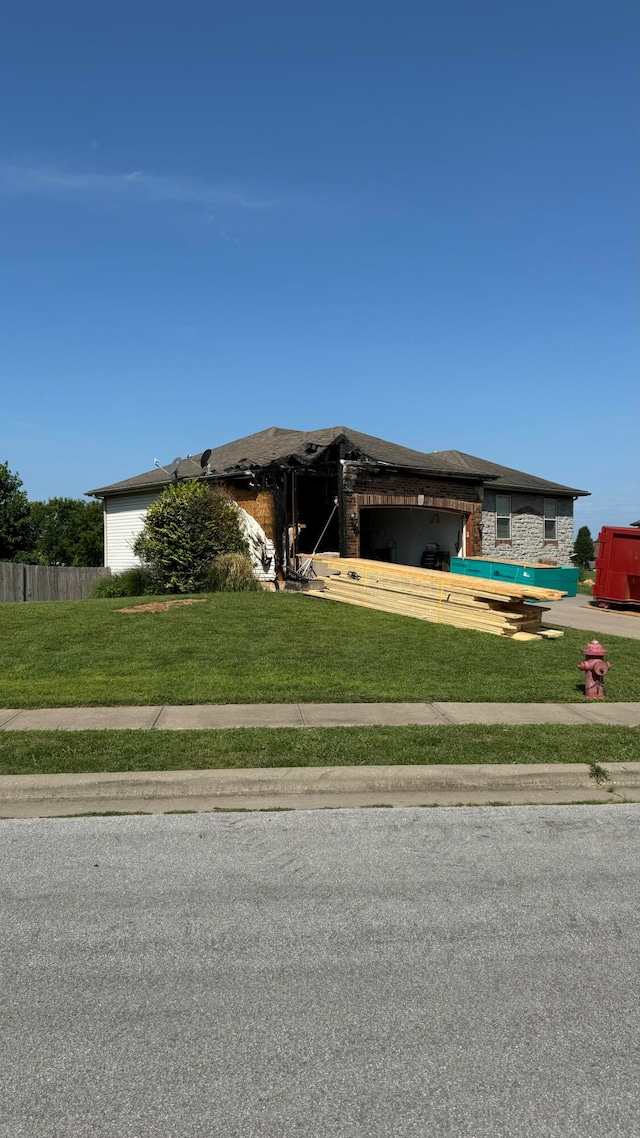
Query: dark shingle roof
<point x="504" y="477"/>
<point x="279" y="446"/>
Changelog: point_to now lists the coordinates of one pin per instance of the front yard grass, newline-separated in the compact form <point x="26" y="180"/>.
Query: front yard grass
<point x="279" y="648"/>
<point x="54" y="752"/>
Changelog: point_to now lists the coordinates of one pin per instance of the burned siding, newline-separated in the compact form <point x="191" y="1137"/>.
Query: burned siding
<point x="261" y="504"/>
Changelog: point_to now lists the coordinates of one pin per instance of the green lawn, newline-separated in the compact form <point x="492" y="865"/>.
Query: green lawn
<point x="52" y="752"/>
<point x="586" y="575"/>
<point x="270" y="647"/>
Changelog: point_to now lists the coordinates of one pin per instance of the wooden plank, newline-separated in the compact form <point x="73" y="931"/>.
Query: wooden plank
<point x="476" y="585"/>
<point x="436" y="596"/>
<point x="480" y="620"/>
<point x="480" y="604"/>
<point x="59" y="582"/>
<point x="12" y="578"/>
<point x="367" y="587"/>
<point x="439" y="613"/>
<point x="428" y="592"/>
<point x="381" y="607"/>
<point x="453" y="594"/>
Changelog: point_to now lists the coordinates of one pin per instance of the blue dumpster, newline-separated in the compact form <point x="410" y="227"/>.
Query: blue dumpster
<point x="564" y="577"/>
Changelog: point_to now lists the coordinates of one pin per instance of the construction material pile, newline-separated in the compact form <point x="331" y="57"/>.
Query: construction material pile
<point x="445" y="598"/>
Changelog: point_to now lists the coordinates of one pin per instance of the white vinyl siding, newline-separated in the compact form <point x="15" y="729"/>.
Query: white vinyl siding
<point x="124" y="519"/>
<point x="550" y="519"/>
<point x="503" y="517"/>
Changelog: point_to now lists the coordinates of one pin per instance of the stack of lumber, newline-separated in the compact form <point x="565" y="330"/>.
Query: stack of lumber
<point x="497" y="607"/>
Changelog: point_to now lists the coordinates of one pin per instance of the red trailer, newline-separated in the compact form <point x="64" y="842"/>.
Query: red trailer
<point x="618" y="566"/>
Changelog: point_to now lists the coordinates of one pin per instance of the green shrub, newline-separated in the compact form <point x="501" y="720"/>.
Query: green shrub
<point x="184" y="530"/>
<point x="135" y="582"/>
<point x="583" y="547"/>
<point x="231" y="573"/>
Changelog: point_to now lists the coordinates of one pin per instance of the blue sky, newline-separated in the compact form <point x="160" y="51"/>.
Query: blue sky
<point x="414" y="218"/>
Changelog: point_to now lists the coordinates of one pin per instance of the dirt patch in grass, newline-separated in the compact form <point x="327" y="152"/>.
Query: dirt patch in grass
<point x="162" y="606"/>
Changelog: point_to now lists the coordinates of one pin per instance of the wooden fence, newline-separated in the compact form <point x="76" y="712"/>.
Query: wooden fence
<point x="46" y="582"/>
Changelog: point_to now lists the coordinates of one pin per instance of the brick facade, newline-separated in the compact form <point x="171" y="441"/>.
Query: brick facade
<point x="362" y="489"/>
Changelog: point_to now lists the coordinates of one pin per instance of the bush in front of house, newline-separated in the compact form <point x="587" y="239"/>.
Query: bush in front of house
<point x="135" y="582"/>
<point x="188" y="526"/>
<point x="231" y="573"/>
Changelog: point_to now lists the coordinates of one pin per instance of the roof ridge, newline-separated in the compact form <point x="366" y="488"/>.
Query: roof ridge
<point x="275" y="445"/>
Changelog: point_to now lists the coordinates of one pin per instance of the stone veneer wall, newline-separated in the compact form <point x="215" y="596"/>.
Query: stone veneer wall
<point x="527" y="529"/>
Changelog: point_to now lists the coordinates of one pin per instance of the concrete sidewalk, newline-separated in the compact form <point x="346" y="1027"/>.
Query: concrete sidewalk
<point x="216" y="716"/>
<point x="307" y="788"/>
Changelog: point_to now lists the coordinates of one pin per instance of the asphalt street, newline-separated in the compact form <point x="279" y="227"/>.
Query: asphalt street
<point x="325" y="973"/>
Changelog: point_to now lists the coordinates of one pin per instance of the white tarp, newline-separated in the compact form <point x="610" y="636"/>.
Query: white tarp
<point x="262" y="552"/>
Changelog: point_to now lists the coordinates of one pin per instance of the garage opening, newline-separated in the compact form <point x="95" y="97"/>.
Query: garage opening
<point x="412" y="536"/>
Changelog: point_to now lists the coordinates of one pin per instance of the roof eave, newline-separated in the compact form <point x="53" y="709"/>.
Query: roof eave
<point x="285" y="462"/>
<point x="545" y="491"/>
<point x="116" y="491"/>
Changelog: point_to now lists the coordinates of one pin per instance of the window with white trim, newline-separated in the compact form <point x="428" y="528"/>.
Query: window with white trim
<point x="550" y="519"/>
<point x="503" y="517"/>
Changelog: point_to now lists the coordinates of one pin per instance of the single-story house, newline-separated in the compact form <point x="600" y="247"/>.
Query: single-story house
<point x="347" y="492"/>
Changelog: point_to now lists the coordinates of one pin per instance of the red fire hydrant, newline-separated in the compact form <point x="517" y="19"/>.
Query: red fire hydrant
<point x="595" y="668"/>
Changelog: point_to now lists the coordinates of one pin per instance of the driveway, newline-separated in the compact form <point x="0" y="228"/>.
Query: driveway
<point x="326" y="974"/>
<point x="578" y="612"/>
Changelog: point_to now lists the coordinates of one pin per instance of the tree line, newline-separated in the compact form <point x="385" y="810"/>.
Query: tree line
<point x="61" y="531"/>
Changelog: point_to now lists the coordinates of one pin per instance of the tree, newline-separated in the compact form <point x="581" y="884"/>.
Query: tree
<point x="15" y="526"/>
<point x="184" y="529"/>
<point x="67" y="531"/>
<point x="583" y="548"/>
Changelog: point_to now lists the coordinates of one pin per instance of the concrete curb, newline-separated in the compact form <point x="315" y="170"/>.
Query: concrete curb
<point x="218" y="716"/>
<point x="309" y="787"/>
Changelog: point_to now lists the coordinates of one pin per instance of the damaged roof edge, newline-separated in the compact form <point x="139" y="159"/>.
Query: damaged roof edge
<point x="291" y="463"/>
<point x="117" y="490"/>
<point x="280" y="449"/>
<point x="428" y="471"/>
